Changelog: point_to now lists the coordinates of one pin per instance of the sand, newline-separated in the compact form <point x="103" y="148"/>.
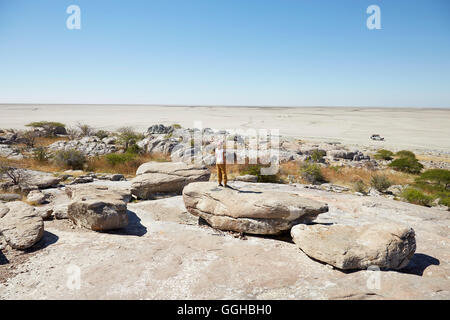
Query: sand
<point x="422" y="130"/>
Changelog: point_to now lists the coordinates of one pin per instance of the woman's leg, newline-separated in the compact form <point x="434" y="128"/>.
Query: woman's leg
<point x="224" y="174"/>
<point x="219" y="173"/>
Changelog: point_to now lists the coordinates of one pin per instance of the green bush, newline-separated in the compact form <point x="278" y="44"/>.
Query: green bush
<point x="43" y="124"/>
<point x="255" y="170"/>
<point x="416" y="197"/>
<point x="436" y="177"/>
<point x="127" y="136"/>
<point x="317" y="155"/>
<point x="101" y="134"/>
<point x="445" y="201"/>
<point x="405" y="154"/>
<point x="133" y="149"/>
<point x="72" y="159"/>
<point x="40" y="154"/>
<point x="176" y="126"/>
<point x="312" y="173"/>
<point x="51" y="128"/>
<point x="380" y="182"/>
<point x="383" y="154"/>
<point x="408" y="165"/>
<point x="119" y="158"/>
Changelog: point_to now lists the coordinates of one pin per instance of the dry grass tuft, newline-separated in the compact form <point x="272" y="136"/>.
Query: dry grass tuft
<point x="101" y="165"/>
<point x="348" y="176"/>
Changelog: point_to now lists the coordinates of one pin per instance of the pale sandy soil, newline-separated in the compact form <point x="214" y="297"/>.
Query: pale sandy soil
<point x="425" y="130"/>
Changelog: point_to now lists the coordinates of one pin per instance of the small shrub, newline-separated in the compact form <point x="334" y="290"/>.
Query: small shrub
<point x="72" y="159"/>
<point x="176" y="126"/>
<point x="405" y="154"/>
<point x="29" y="138"/>
<point x="85" y="130"/>
<point x="255" y="170"/>
<point x="380" y="182"/>
<point x="114" y="159"/>
<point x="408" y="165"/>
<point x="72" y="133"/>
<point x="445" y="201"/>
<point x="127" y="136"/>
<point x="40" y="154"/>
<point x="317" y="155"/>
<point x="51" y="128"/>
<point x="416" y="197"/>
<point x="360" y="186"/>
<point x="437" y="177"/>
<point x="383" y="154"/>
<point x="312" y="173"/>
<point x="133" y="149"/>
<point x="101" y="134"/>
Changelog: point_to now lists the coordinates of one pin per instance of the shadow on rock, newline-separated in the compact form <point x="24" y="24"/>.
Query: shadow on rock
<point x="134" y="228"/>
<point x="419" y="263"/>
<point x="3" y="259"/>
<point x="48" y="239"/>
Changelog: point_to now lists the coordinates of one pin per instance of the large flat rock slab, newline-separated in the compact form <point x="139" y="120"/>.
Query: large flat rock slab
<point x="155" y="178"/>
<point x="177" y="259"/>
<point x="386" y="246"/>
<point x="249" y="209"/>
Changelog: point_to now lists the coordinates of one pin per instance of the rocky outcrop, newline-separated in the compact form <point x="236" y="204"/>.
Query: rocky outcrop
<point x="36" y="197"/>
<point x="249" y="209"/>
<point x="20" y="225"/>
<point x="97" y="208"/>
<point x="387" y="246"/>
<point x="10" y="197"/>
<point x="90" y="146"/>
<point x="41" y="180"/>
<point x="159" y="129"/>
<point x="354" y="155"/>
<point x="158" y="144"/>
<point x="7" y="151"/>
<point x="155" y="178"/>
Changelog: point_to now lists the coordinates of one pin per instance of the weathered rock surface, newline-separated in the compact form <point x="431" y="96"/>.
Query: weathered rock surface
<point x="37" y="197"/>
<point x="165" y="254"/>
<point x="247" y="178"/>
<point x="97" y="208"/>
<point x="249" y="209"/>
<point x="20" y="225"/>
<point x="41" y="180"/>
<point x="7" y="151"/>
<point x="386" y="246"/>
<point x="155" y="178"/>
<point x="90" y="146"/>
<point x="159" y="129"/>
<point x="10" y="197"/>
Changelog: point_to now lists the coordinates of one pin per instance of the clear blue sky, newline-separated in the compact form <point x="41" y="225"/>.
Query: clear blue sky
<point x="226" y="52"/>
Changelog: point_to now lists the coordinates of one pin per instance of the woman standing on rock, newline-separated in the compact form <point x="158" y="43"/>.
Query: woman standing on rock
<point x="221" y="164"/>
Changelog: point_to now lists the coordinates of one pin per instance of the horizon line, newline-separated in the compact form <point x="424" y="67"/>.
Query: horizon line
<point x="215" y="105"/>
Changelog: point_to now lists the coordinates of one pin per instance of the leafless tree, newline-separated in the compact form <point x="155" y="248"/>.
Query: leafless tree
<point x="17" y="176"/>
<point x="29" y="138"/>
<point x="86" y="130"/>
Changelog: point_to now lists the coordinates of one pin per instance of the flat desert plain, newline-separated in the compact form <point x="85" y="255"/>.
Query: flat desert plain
<point x="423" y="130"/>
